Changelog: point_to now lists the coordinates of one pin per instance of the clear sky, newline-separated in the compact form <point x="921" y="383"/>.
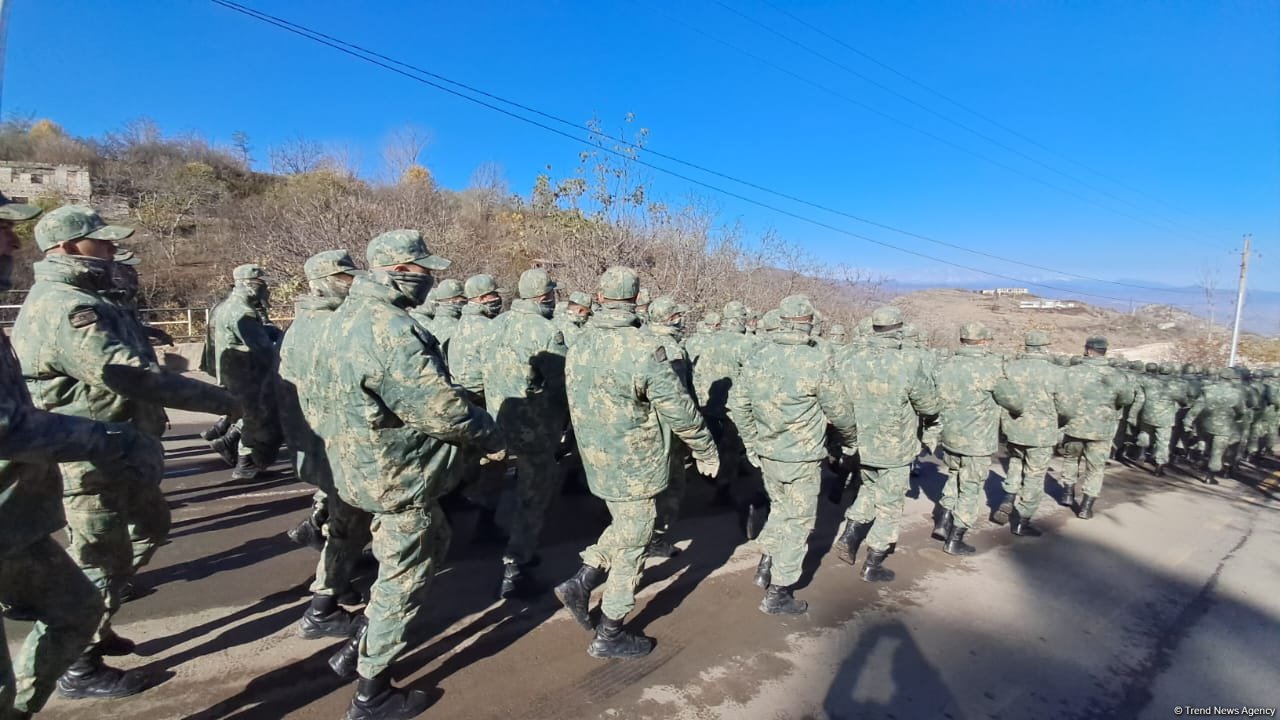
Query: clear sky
<point x="1178" y="101"/>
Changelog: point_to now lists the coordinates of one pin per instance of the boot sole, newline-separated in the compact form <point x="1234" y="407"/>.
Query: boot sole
<point x="784" y="611"/>
<point x="317" y="634"/>
<point x="599" y="655"/>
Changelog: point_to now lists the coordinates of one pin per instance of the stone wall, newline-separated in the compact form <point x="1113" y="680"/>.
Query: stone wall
<point x="26" y="182"/>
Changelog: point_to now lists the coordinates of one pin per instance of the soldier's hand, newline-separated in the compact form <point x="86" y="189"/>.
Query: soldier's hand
<point x="754" y="459"/>
<point x="135" y="455"/>
<point x="496" y="456"/>
<point x="708" y="466"/>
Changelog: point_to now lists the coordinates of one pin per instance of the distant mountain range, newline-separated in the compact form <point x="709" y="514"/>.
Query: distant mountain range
<point x="1261" y="311"/>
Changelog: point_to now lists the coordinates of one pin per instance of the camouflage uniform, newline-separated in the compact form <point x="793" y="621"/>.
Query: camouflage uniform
<point x="1162" y="395"/>
<point x="784" y="430"/>
<point x="1218" y="416"/>
<point x="874" y="395"/>
<point x="665" y="315"/>
<point x="973" y="389"/>
<point x="571" y="324"/>
<point x="244" y="360"/>
<point x="82" y="356"/>
<point x="345" y="529"/>
<point x="469" y="346"/>
<point x="448" y="309"/>
<point x="392" y="425"/>
<point x="715" y="368"/>
<point x="524" y="392"/>
<point x="1098" y="393"/>
<point x="625" y="401"/>
<point x="1040" y="385"/>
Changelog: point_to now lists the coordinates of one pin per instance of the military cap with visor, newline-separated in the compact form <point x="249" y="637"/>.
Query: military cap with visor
<point x="619" y="283"/>
<point x="249" y="271"/>
<point x="1037" y="338"/>
<point x="449" y="289"/>
<point x="329" y="263"/>
<point x="1096" y="342"/>
<point x="76" y="222"/>
<point x="886" y="318"/>
<point x="974" y="332"/>
<point x="534" y="283"/>
<point x="403" y="247"/>
<point x="665" y="307"/>
<point x="16" y="211"/>
<point x="481" y="285"/>
<point x="580" y="299"/>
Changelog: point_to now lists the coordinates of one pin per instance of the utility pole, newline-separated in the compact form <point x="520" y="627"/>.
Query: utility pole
<point x="1244" y="274"/>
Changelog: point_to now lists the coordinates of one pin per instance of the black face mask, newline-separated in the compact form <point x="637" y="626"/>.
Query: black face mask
<point x="492" y="307"/>
<point x="414" y="285"/>
<point x="547" y="308"/>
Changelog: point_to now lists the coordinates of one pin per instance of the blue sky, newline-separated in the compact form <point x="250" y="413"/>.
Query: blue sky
<point x="1178" y="101"/>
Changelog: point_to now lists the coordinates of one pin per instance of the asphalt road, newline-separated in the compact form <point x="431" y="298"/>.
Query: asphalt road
<point x="1169" y="597"/>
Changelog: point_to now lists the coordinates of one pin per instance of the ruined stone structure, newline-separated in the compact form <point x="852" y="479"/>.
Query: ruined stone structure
<point x="28" y="182"/>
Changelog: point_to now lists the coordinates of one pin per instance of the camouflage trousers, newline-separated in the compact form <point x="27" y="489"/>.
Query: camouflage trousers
<point x="930" y="434"/>
<point x="409" y="546"/>
<point x="964" y="492"/>
<point x="1028" y="467"/>
<point x="538" y="481"/>
<point x="43" y="580"/>
<point x="669" y="500"/>
<point x="793" y="508"/>
<point x="1159" y="439"/>
<point x="114" y="530"/>
<point x="1086" y="463"/>
<point x="620" y="552"/>
<point x="260" y="431"/>
<point x="347" y="532"/>
<point x="880" y="501"/>
<point x="1222" y="450"/>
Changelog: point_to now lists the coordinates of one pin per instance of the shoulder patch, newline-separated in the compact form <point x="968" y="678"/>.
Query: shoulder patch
<point x="559" y="339"/>
<point x="660" y="354"/>
<point x="83" y="318"/>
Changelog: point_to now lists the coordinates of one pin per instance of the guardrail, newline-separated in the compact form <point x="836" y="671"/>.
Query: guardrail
<point x="188" y="323"/>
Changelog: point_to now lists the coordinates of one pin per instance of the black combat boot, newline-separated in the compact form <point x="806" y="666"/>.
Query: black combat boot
<point x="343" y="662"/>
<point x="1002" y="513"/>
<point x="246" y="468"/>
<point x="1209" y="478"/>
<point x="228" y="446"/>
<point x="660" y="547"/>
<point x="377" y="699"/>
<point x="307" y="534"/>
<point x="1068" y="498"/>
<point x="764" y="572"/>
<point x="873" y="569"/>
<point x="1022" y="527"/>
<point x="114" y="645"/>
<point x="942" y="524"/>
<point x="575" y="593"/>
<point x="351" y="596"/>
<point x="612" y="641"/>
<point x="850" y="540"/>
<point x="1086" y="507"/>
<point x="956" y="544"/>
<point x="325" y="619"/>
<point x="134" y="590"/>
<point x="778" y="600"/>
<point x="518" y="583"/>
<point x="217" y="430"/>
<point x="89" y="678"/>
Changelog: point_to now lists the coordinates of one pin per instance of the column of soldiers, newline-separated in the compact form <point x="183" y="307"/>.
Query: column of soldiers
<point x="439" y="395"/>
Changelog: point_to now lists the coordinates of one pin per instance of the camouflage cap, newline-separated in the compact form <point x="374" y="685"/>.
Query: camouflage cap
<point x="1096" y="342"/>
<point x="886" y="318"/>
<point x="619" y="283"/>
<point x="711" y="318"/>
<point x="127" y="257"/>
<point x="1137" y="365"/>
<point x="772" y="321"/>
<point x="329" y="263"/>
<point x="580" y="298"/>
<point x="665" y="307"/>
<point x="534" y="282"/>
<point x="249" y="271"/>
<point x="1227" y="373"/>
<point x="448" y="289"/>
<point x="1168" y="368"/>
<point x="974" y="331"/>
<point x="1153" y="368"/>
<point x="796" y="307"/>
<point x="75" y="222"/>
<point x="1037" y="338"/>
<point x="734" y="310"/>
<point x="837" y="330"/>
<point x="480" y="285"/>
<point x="16" y="212"/>
<point x="402" y="247"/>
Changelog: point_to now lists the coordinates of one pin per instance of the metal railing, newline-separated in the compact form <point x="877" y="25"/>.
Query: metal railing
<point x="186" y="323"/>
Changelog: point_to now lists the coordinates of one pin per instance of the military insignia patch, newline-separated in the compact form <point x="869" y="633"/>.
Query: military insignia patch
<point x="559" y="338"/>
<point x="660" y="354"/>
<point x="83" y="318"/>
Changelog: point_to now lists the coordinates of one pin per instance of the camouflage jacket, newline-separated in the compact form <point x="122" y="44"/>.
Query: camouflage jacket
<point x="775" y="401"/>
<point x="679" y="357"/>
<point x="80" y="354"/>
<point x="296" y="386"/>
<point x="1222" y="409"/>
<point x="874" y="395"/>
<point x="524" y="379"/>
<point x="716" y="368"/>
<point x="1160" y="399"/>
<point x="442" y="325"/>
<point x="1041" y="388"/>
<point x="973" y="389"/>
<point x="389" y="417"/>
<point x="626" y="402"/>
<point x="244" y="349"/>
<point x="1097" y="393"/>
<point x="468" y="350"/>
<point x="569" y="329"/>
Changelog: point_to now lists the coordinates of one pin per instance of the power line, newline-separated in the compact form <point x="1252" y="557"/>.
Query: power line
<point x="971" y="111"/>
<point x="898" y="121"/>
<point x="906" y="98"/>
<point x="348" y="50"/>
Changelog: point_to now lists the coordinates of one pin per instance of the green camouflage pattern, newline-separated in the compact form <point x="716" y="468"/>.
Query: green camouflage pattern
<point x="973" y="389"/>
<point x="775" y="400"/>
<point x="1040" y="386"/>
<point x="299" y="353"/>
<point x="1098" y="394"/>
<point x="468" y="349"/>
<point x="793" y="489"/>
